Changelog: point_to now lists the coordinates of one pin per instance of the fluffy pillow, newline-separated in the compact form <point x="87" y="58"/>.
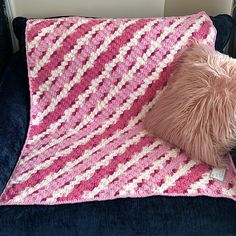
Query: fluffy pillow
<point x="197" y="110"/>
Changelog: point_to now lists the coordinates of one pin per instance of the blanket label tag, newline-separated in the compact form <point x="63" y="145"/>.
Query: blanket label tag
<point x="218" y="173"/>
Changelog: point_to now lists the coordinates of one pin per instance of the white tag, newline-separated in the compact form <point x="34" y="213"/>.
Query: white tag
<point x="218" y="173"/>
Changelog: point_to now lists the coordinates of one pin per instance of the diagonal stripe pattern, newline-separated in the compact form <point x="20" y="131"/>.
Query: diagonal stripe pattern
<point x="85" y="141"/>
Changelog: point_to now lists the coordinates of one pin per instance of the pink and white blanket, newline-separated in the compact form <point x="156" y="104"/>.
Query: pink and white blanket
<point x="91" y="82"/>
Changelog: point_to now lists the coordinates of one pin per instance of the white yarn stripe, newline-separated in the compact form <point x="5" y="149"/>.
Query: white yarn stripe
<point x="67" y="58"/>
<point x="92" y="88"/>
<point x="126" y="105"/>
<point x="87" y="174"/>
<point x="130" y="187"/>
<point x="199" y="184"/>
<point x="57" y="44"/>
<point x="170" y="180"/>
<point x="89" y="64"/>
<point x="121" y="169"/>
<point x="41" y="34"/>
<point x="69" y="165"/>
<point x="84" y="140"/>
<point x="229" y="192"/>
<point x="162" y="65"/>
<point x="202" y="184"/>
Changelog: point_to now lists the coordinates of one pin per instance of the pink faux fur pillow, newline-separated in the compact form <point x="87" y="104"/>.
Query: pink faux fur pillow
<point x="197" y="110"/>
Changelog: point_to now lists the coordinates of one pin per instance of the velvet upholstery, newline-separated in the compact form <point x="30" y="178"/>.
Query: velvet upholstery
<point x="224" y="25"/>
<point x="14" y="113"/>
<point x="151" y="216"/>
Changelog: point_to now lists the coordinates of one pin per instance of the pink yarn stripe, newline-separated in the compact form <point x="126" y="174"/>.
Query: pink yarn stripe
<point x="92" y="73"/>
<point x="66" y="178"/>
<point x="201" y="33"/>
<point x="122" y="123"/>
<point x="91" y="183"/>
<point x="169" y="168"/>
<point x="157" y="85"/>
<point x="217" y="185"/>
<point x="193" y="175"/>
<point x="152" y="61"/>
<point x="68" y="74"/>
<point x="41" y="175"/>
<point x="58" y="55"/>
<point x="32" y="58"/>
<point x="71" y="41"/>
<point x="84" y="55"/>
<point x="47" y="42"/>
<point x="78" y="61"/>
<point x="113" y="189"/>
<point x="211" y="184"/>
<point x="64" y="144"/>
<point x="121" y="67"/>
<point x="74" y="154"/>
<point x="32" y="33"/>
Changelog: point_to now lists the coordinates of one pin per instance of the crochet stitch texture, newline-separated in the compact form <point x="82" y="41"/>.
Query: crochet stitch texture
<point x="91" y="82"/>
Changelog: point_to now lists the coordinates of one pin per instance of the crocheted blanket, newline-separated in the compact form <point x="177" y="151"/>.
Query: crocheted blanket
<point x="91" y="82"/>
